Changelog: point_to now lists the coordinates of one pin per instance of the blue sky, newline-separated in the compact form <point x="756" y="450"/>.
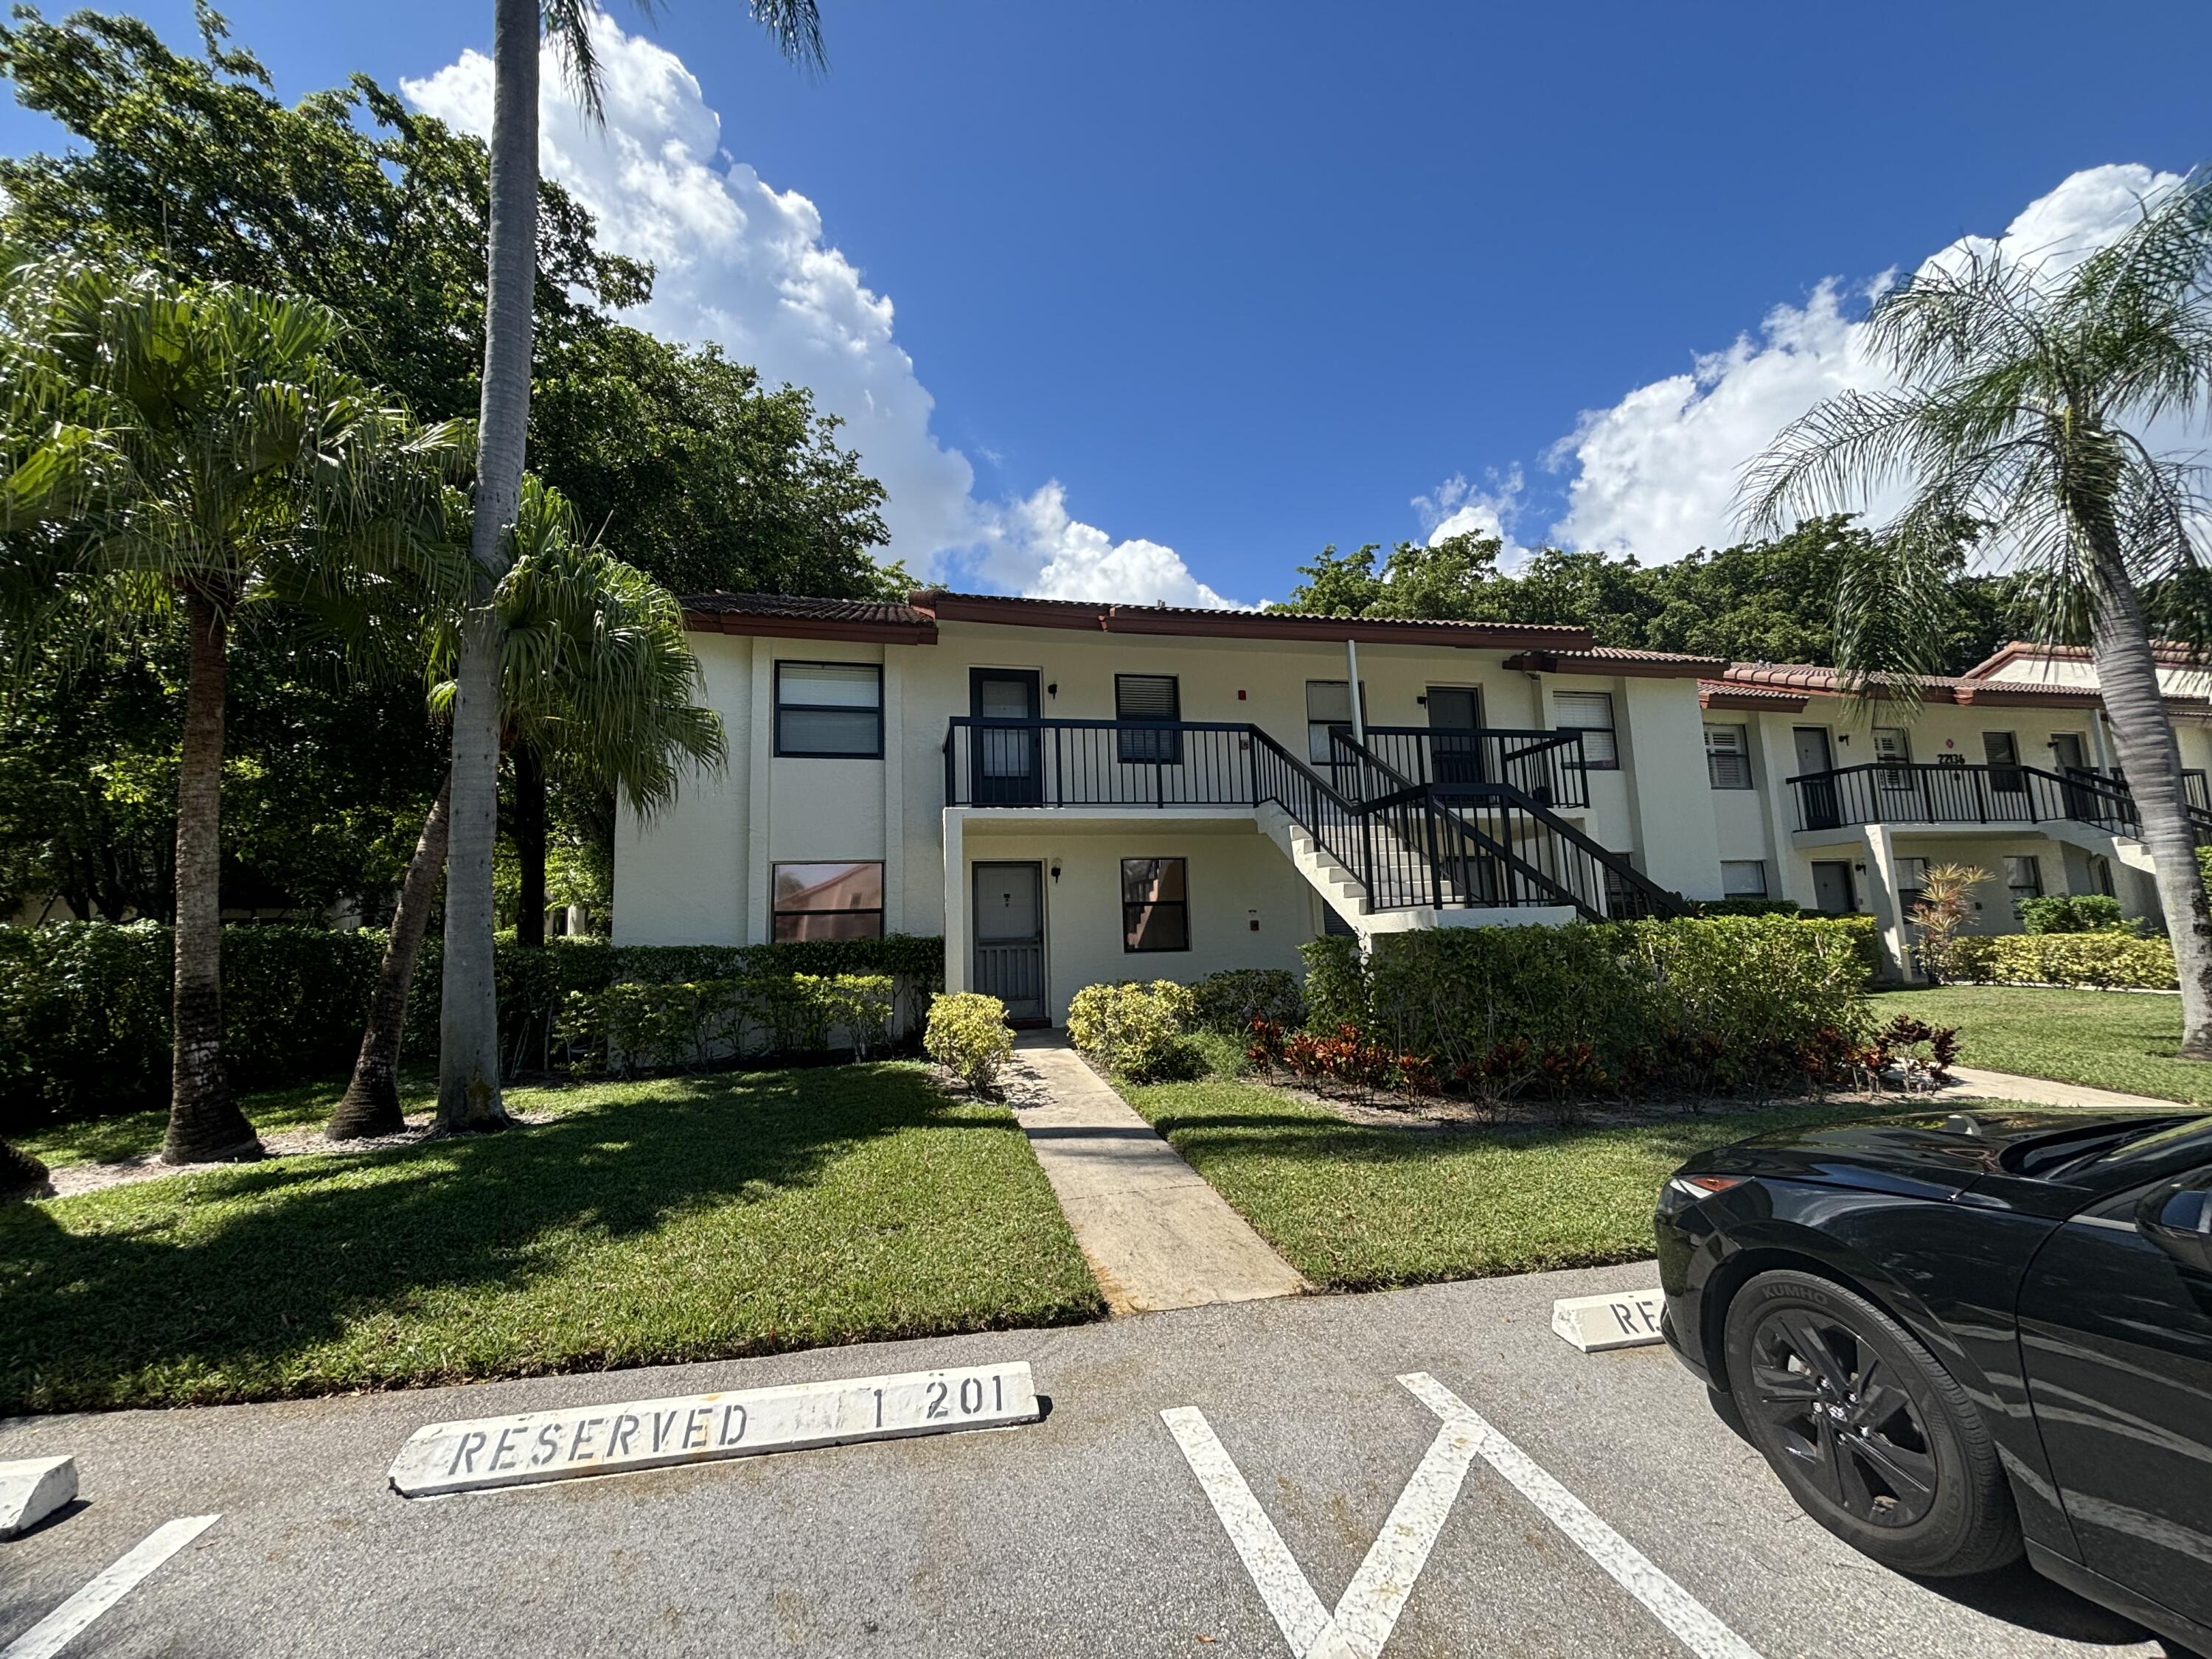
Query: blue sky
<point x="1245" y="278"/>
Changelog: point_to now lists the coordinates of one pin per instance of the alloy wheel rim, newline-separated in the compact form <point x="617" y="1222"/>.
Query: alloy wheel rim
<point x="1835" y="1409"/>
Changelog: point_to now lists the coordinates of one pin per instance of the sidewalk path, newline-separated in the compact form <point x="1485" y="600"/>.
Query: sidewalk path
<point x="2003" y="1085"/>
<point x="1156" y="1234"/>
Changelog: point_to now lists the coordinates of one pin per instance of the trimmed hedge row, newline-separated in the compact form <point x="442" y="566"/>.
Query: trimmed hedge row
<point x="84" y="1005"/>
<point x="2108" y="960"/>
<point x="1711" y="1002"/>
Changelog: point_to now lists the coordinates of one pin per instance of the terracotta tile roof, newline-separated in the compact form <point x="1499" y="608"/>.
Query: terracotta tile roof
<point x="2167" y="653"/>
<point x="1718" y="694"/>
<point x="794" y="616"/>
<point x="1618" y="660"/>
<point x="1103" y="617"/>
<point x="1818" y="680"/>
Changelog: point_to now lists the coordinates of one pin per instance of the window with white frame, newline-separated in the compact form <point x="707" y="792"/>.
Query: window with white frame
<point x="830" y="709"/>
<point x="1589" y="713"/>
<point x="2024" y="875"/>
<point x="1743" y="878"/>
<point x="1911" y="877"/>
<point x="1728" y="756"/>
<point x="1328" y="709"/>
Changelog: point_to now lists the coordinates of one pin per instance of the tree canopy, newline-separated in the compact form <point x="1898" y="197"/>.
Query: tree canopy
<point x="1773" y="600"/>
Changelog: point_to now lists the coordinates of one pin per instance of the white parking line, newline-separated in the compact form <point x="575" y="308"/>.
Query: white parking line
<point x="54" y="1632"/>
<point x="1369" y="1608"/>
<point x="1696" y="1627"/>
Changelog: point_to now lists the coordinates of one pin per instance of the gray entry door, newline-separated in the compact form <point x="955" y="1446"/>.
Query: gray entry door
<point x="1009" y="936"/>
<point x="1831" y="888"/>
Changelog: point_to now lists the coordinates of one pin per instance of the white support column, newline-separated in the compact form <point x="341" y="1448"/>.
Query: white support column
<point x="1887" y="898"/>
<point x="757" y="850"/>
<point x="955" y="900"/>
<point x="1358" y="714"/>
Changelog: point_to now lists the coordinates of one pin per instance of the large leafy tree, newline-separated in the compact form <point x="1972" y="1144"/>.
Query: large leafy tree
<point x="186" y="448"/>
<point x="2025" y="397"/>
<point x="596" y="676"/>
<point x="702" y="476"/>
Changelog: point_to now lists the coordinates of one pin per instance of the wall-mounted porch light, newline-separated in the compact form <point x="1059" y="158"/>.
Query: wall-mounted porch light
<point x="1055" y="870"/>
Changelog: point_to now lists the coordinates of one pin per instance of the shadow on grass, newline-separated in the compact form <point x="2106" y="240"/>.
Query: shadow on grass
<point x="243" y="1272"/>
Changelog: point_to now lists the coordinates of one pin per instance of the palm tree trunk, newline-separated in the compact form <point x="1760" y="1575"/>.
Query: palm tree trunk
<point x="468" y="1053"/>
<point x="205" y="1125"/>
<point x="371" y="1103"/>
<point x="530" y="845"/>
<point x="2127" y="676"/>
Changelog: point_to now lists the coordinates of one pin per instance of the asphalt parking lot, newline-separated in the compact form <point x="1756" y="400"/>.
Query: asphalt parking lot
<point x="1106" y="1528"/>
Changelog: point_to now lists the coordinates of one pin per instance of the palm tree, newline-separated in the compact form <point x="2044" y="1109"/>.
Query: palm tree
<point x="2025" y="389"/>
<point x="180" y="446"/>
<point x="595" y="676"/>
<point x="468" y="1058"/>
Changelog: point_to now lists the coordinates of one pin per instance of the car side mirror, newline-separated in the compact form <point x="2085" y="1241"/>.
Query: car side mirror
<point x="2177" y="1216"/>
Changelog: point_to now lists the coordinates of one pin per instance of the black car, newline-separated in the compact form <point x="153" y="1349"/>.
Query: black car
<point x="1956" y="1338"/>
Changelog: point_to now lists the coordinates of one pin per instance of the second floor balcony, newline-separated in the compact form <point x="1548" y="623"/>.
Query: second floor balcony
<point x="1911" y="792"/>
<point x="1166" y="763"/>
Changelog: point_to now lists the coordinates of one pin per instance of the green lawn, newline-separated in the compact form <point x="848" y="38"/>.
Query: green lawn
<point x="677" y="1219"/>
<point x="1354" y="1207"/>
<point x="2104" y="1039"/>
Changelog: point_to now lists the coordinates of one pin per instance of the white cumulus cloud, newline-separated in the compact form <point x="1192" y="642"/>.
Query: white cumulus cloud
<point x="1655" y="474"/>
<point x="1456" y="507"/>
<point x="743" y="264"/>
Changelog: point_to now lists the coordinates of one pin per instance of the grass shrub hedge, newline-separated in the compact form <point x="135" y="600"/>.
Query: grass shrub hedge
<point x="2108" y="959"/>
<point x="1712" y="1001"/>
<point x="84" y="1005"/>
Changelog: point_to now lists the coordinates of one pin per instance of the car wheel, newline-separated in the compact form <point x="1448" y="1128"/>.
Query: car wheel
<point x="1873" y="1438"/>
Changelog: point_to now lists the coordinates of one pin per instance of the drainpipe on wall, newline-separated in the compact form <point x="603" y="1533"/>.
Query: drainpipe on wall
<point x="1359" y="716"/>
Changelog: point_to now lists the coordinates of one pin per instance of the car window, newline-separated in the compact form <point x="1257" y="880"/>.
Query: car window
<point x="2161" y="1146"/>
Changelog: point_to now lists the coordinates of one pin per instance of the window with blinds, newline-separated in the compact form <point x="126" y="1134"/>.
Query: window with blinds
<point x="830" y="709"/>
<point x="1589" y="713"/>
<point x="1743" y="878"/>
<point x="1148" y="697"/>
<point x="1728" y="756"/>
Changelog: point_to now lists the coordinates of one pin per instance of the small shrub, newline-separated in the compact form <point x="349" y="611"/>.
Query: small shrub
<point x="22" y="1176"/>
<point x="1264" y="1054"/>
<point x="2111" y="959"/>
<point x="967" y="1035"/>
<point x="1945" y="890"/>
<point x="1230" y="1001"/>
<point x="1336" y="983"/>
<point x="1220" y="1055"/>
<point x="1922" y="1050"/>
<point x="1136" y="1030"/>
<point x="2074" y="913"/>
<point x="864" y="1004"/>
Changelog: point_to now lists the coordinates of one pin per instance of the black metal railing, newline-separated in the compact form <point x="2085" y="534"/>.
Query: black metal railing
<point x="1887" y="792"/>
<point x="1406" y="843"/>
<point x="1494" y="844"/>
<point x="2195" y="789"/>
<point x="1544" y="766"/>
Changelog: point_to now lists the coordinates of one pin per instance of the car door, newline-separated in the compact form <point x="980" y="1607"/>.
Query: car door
<point x="2115" y="1338"/>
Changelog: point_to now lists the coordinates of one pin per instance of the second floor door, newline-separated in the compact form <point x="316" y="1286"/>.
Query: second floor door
<point x="1006" y="762"/>
<point x="1454" y="714"/>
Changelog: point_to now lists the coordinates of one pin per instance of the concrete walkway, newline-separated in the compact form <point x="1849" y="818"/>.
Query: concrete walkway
<point x="2003" y="1085"/>
<point x="1155" y="1233"/>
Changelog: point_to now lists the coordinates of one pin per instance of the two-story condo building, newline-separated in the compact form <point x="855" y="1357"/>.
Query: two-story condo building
<point x="1073" y="792"/>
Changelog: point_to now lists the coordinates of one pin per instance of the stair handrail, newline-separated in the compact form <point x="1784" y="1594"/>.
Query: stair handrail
<point x="1652" y="894"/>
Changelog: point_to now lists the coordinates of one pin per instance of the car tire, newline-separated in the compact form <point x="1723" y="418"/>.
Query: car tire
<point x="1903" y="1469"/>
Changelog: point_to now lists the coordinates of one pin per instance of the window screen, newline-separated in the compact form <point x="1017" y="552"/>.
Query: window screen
<point x="1589" y="713"/>
<point x="829" y="708"/>
<point x="1148" y="697"/>
<point x="2025" y="877"/>
<point x="1743" y="878"/>
<point x="1728" y="756"/>
<point x="1155" y="905"/>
